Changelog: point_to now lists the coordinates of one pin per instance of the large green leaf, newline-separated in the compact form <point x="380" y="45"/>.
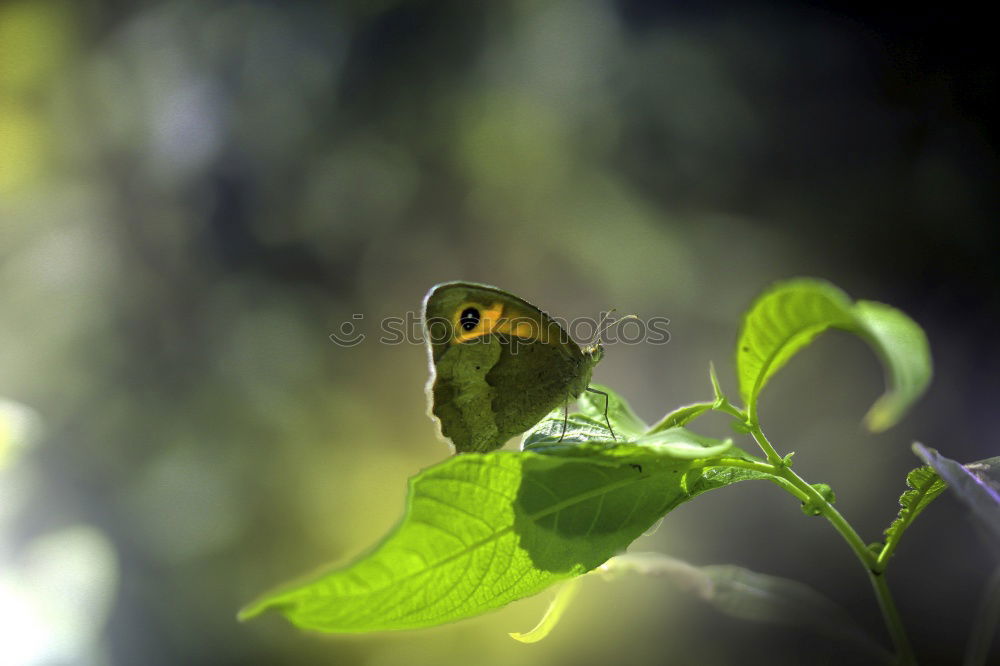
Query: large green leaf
<point x="787" y="317"/>
<point x="483" y="530"/>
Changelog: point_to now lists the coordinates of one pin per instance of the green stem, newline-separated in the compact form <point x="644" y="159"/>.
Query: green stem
<point x="816" y="499"/>
<point x="904" y="651"/>
<point x="868" y="559"/>
<point x="725" y="406"/>
<point x="797" y="486"/>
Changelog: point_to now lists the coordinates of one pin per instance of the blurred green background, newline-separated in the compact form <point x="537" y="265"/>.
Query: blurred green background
<point x="194" y="195"/>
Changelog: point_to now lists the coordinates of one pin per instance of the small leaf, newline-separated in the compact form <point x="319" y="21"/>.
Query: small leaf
<point x="684" y="444"/>
<point x="567" y="592"/>
<point x="726" y="470"/>
<point x="753" y="596"/>
<point x="787" y="317"/>
<point x="558" y="433"/>
<point x="977" y="484"/>
<point x="826" y="492"/>
<point x="677" y="443"/>
<point x="682" y="416"/>
<point x="622" y="418"/>
<point x="923" y="485"/>
<point x="720" y="397"/>
<point x="557" y="428"/>
<point x="741" y="427"/>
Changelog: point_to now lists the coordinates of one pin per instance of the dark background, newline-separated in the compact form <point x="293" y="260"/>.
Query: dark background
<point x="193" y="196"/>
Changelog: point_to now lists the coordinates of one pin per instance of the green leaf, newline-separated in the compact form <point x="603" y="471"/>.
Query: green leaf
<point x="682" y="416"/>
<point x="780" y="322"/>
<point x="725" y="470"/>
<point x="483" y="530"/>
<point x="682" y="443"/>
<point x="676" y="443"/>
<point x="558" y="429"/>
<point x="787" y="317"/>
<point x="742" y="427"/>
<point x="903" y="348"/>
<point x="584" y="436"/>
<point x="620" y="414"/>
<point x="977" y="484"/>
<point x="576" y="428"/>
<point x="923" y="485"/>
<point x="720" y="397"/>
<point x="749" y="595"/>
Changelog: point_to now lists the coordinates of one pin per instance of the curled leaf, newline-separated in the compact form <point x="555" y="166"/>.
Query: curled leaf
<point x="787" y="317"/>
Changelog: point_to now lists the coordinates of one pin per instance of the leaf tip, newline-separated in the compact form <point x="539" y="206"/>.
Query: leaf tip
<point x="881" y="416"/>
<point x="921" y="452"/>
<point x="248" y="612"/>
<point x="714" y="378"/>
<point x="253" y="609"/>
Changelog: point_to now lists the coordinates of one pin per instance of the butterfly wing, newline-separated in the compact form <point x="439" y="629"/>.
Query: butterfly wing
<point x="495" y="374"/>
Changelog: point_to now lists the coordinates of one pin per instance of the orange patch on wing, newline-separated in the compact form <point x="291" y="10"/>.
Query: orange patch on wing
<point x="492" y="320"/>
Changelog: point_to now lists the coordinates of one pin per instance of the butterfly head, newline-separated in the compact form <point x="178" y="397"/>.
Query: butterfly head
<point x="594" y="351"/>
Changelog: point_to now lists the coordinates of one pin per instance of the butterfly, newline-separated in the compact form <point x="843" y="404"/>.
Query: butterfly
<point x="498" y="364"/>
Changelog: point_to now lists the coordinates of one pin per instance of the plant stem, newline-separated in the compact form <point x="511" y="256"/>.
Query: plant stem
<point x="788" y="479"/>
<point x="904" y="651"/>
<point x="826" y="509"/>
<point x="894" y="625"/>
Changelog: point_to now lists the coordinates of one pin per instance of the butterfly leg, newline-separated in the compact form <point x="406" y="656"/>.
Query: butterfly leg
<point x="565" y="418"/>
<point x="606" y="420"/>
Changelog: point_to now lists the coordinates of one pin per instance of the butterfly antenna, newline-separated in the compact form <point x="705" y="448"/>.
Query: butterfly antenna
<point x="600" y="325"/>
<point x="605" y="327"/>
